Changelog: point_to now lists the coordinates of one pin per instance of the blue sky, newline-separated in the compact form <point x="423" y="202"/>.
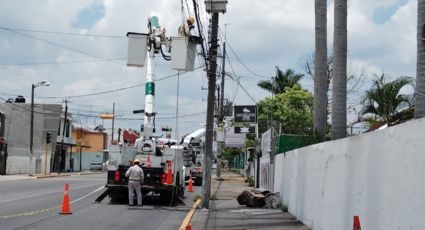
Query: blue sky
<point x="89" y="16"/>
<point x="383" y="14"/>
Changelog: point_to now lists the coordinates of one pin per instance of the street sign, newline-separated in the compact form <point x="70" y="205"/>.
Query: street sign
<point x="245" y="129"/>
<point x="246" y="113"/>
<point x="138" y="111"/>
<point x="106" y="116"/>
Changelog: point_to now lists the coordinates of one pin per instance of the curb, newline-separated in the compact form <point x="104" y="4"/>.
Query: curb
<point x="49" y="176"/>
<point x="67" y="174"/>
<point x="189" y="216"/>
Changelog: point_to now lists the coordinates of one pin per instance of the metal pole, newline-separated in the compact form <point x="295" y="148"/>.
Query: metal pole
<point x="32" y="118"/>
<point x="45" y="160"/>
<point x="113" y="121"/>
<point x="62" y="154"/>
<point x="81" y="145"/>
<point x="206" y="186"/>
<point x="31" y="128"/>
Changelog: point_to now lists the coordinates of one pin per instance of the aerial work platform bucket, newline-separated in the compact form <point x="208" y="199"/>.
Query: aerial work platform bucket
<point x="183" y="52"/>
<point x="137" y="48"/>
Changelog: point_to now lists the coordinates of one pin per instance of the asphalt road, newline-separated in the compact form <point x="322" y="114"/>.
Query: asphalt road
<point x="35" y="204"/>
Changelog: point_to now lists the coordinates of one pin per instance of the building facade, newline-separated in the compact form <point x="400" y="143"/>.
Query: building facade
<point x="16" y="134"/>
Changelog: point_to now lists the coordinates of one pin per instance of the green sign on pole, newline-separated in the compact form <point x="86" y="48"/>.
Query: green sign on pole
<point x="150" y="88"/>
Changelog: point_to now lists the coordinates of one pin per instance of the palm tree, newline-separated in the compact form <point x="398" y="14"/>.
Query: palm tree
<point x="280" y="81"/>
<point x="339" y="81"/>
<point x="420" y="66"/>
<point x="321" y="71"/>
<point x="383" y="100"/>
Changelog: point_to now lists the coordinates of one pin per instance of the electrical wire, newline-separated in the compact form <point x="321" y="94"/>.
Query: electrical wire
<point x="60" y="45"/>
<point x="240" y="61"/>
<point x="63" y="33"/>
<point x="58" y="63"/>
<point x="104" y="92"/>
<point x="196" y="9"/>
<point x="23" y="108"/>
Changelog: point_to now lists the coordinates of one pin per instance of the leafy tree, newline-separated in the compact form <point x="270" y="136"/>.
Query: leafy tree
<point x="280" y="81"/>
<point x="230" y="153"/>
<point x="293" y="110"/>
<point x="383" y="100"/>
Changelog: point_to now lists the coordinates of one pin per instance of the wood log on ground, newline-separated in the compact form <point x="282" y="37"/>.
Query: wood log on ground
<point x="251" y="199"/>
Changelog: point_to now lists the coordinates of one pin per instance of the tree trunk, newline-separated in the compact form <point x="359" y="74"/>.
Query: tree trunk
<point x="420" y="66"/>
<point x="320" y="70"/>
<point x="339" y="81"/>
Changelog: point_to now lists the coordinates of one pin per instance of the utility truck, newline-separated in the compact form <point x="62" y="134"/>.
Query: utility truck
<point x="193" y="154"/>
<point x="161" y="161"/>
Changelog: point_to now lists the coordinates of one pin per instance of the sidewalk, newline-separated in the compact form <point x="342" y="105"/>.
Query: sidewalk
<point x="226" y="213"/>
<point x="16" y="177"/>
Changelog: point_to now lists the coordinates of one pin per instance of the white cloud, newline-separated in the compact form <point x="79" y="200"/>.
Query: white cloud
<point x="263" y="35"/>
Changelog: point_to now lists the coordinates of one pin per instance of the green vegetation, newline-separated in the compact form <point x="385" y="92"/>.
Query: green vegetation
<point x="382" y="99"/>
<point x="250" y="181"/>
<point x="293" y="110"/>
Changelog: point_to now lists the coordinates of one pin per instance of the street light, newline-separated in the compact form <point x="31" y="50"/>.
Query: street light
<point x="33" y="86"/>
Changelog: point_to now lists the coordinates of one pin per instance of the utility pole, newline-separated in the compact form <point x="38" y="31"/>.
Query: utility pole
<point x="220" y="120"/>
<point x="213" y="7"/>
<point x="206" y="187"/>
<point x="62" y="154"/>
<point x="113" y="121"/>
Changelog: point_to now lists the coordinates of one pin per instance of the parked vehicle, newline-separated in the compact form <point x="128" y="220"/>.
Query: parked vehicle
<point x="96" y="166"/>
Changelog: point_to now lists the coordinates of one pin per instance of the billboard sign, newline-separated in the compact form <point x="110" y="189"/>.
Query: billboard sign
<point x="245" y="113"/>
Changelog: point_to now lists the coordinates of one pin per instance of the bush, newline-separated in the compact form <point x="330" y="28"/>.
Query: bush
<point x="250" y="181"/>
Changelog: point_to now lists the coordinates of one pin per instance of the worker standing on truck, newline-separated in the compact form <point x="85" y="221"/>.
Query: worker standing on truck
<point x="135" y="179"/>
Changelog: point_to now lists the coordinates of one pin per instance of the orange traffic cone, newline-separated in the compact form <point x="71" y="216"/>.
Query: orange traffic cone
<point x="190" y="184"/>
<point x="65" y="203"/>
<point x="169" y="176"/>
<point x="188" y="227"/>
<point x="356" y="224"/>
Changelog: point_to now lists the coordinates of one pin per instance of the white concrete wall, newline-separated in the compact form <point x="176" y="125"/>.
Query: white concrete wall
<point x="379" y="176"/>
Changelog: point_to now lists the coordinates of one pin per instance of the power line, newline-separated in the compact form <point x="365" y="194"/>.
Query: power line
<point x="64" y="33"/>
<point x="243" y="64"/>
<point x="60" y="45"/>
<point x="237" y="80"/>
<point x="22" y="108"/>
<point x="103" y="92"/>
<point x="58" y="63"/>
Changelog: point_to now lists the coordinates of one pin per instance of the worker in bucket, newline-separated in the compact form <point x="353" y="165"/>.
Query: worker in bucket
<point x="135" y="180"/>
<point x="185" y="29"/>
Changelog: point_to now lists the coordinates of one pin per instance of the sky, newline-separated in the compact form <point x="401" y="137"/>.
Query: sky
<point x="80" y="47"/>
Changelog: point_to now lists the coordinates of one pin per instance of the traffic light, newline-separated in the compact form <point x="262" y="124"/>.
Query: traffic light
<point x="48" y="137"/>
